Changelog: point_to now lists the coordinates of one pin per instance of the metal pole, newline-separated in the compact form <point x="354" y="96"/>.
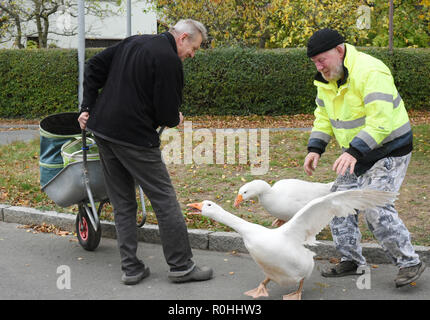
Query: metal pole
<point x="81" y="48"/>
<point x="390" y="27"/>
<point x="128" y="18"/>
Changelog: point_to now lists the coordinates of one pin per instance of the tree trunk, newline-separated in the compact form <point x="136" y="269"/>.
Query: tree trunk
<point x="38" y="23"/>
<point x="15" y="16"/>
<point x="18" y="37"/>
<point x="45" y="32"/>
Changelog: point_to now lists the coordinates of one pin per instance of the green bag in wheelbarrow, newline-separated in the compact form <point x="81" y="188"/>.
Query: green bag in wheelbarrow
<point x="55" y="131"/>
<point x="72" y="151"/>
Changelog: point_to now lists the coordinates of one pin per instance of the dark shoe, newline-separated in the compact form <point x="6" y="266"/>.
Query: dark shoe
<point x="131" y="280"/>
<point x="344" y="268"/>
<point x="197" y="274"/>
<point x="409" y="274"/>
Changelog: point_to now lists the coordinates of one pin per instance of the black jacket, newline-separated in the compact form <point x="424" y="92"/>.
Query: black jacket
<point x="142" y="80"/>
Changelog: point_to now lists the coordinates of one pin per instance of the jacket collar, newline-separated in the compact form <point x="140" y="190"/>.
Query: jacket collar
<point x="171" y="40"/>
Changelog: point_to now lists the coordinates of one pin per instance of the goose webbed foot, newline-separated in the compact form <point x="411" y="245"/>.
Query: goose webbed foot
<point x="297" y="295"/>
<point x="260" y="291"/>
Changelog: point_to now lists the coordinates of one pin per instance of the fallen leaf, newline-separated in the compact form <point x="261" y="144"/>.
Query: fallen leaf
<point x="334" y="260"/>
<point x="24" y="226"/>
<point x="322" y="285"/>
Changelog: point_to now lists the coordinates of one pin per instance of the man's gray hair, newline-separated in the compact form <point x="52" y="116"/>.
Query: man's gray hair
<point x="190" y="26"/>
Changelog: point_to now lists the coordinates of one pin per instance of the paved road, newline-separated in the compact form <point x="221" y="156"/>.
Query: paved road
<point x="30" y="268"/>
<point x="25" y="135"/>
<point x="30" y="132"/>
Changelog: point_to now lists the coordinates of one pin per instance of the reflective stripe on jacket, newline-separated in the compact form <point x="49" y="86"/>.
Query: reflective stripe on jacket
<point x="365" y="114"/>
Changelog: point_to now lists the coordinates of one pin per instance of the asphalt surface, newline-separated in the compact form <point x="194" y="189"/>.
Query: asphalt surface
<point x="40" y="266"/>
<point x="25" y="135"/>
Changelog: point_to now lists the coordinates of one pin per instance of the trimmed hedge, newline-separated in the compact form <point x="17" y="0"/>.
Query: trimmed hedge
<point x="275" y="82"/>
<point x="228" y="81"/>
<point x="243" y="81"/>
<point x="35" y="83"/>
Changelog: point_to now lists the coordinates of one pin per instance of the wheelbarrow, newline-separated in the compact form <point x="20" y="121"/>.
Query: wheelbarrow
<point x="82" y="183"/>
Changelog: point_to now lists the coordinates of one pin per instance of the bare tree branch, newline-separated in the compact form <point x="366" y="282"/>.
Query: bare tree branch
<point x="39" y="11"/>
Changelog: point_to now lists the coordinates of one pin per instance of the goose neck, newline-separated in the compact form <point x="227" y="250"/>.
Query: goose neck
<point x="232" y="221"/>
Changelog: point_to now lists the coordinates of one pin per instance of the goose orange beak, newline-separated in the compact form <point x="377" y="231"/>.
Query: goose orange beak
<point x="196" y="207"/>
<point x="238" y="200"/>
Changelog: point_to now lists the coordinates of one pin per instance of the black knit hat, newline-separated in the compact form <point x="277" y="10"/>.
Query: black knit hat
<point x="323" y="40"/>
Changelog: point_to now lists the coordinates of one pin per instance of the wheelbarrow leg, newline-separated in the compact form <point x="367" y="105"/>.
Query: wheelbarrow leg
<point x="92" y="215"/>
<point x="142" y="202"/>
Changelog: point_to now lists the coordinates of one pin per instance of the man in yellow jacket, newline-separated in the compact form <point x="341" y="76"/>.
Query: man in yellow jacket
<point x="358" y="105"/>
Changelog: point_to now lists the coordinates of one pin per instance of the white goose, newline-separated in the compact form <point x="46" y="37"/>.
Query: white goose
<point x="284" y="198"/>
<point x="280" y="252"/>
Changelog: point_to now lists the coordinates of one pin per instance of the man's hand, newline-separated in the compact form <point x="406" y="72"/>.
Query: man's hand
<point x="311" y="162"/>
<point x="344" y="162"/>
<point x="83" y="118"/>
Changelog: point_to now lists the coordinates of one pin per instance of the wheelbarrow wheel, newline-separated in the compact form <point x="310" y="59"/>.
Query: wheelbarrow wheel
<point x="88" y="238"/>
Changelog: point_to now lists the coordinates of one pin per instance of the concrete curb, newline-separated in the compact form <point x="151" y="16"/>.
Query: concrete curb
<point x="199" y="239"/>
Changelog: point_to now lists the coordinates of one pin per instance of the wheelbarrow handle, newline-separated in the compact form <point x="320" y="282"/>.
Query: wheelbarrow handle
<point x="84" y="147"/>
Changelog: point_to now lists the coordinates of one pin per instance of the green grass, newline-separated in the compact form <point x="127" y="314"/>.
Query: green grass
<point x="19" y="182"/>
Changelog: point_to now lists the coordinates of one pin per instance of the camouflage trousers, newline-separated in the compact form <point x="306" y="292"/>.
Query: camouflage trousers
<point x="384" y="222"/>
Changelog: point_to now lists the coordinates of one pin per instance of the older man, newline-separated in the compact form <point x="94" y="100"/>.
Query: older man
<point x="142" y="80"/>
<point x="358" y="104"/>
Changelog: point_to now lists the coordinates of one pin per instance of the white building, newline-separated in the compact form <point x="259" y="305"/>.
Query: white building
<point x="99" y="32"/>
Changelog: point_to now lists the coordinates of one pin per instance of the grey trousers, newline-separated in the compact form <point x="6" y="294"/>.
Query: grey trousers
<point x="384" y="222"/>
<point x="122" y="167"/>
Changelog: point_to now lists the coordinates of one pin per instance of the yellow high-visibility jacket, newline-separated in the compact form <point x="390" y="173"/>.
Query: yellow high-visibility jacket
<point x="364" y="112"/>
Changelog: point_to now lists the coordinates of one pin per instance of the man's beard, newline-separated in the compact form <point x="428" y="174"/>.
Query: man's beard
<point x="335" y="74"/>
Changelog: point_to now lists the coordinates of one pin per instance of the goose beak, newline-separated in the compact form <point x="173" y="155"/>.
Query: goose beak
<point x="196" y="208"/>
<point x="238" y="200"/>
